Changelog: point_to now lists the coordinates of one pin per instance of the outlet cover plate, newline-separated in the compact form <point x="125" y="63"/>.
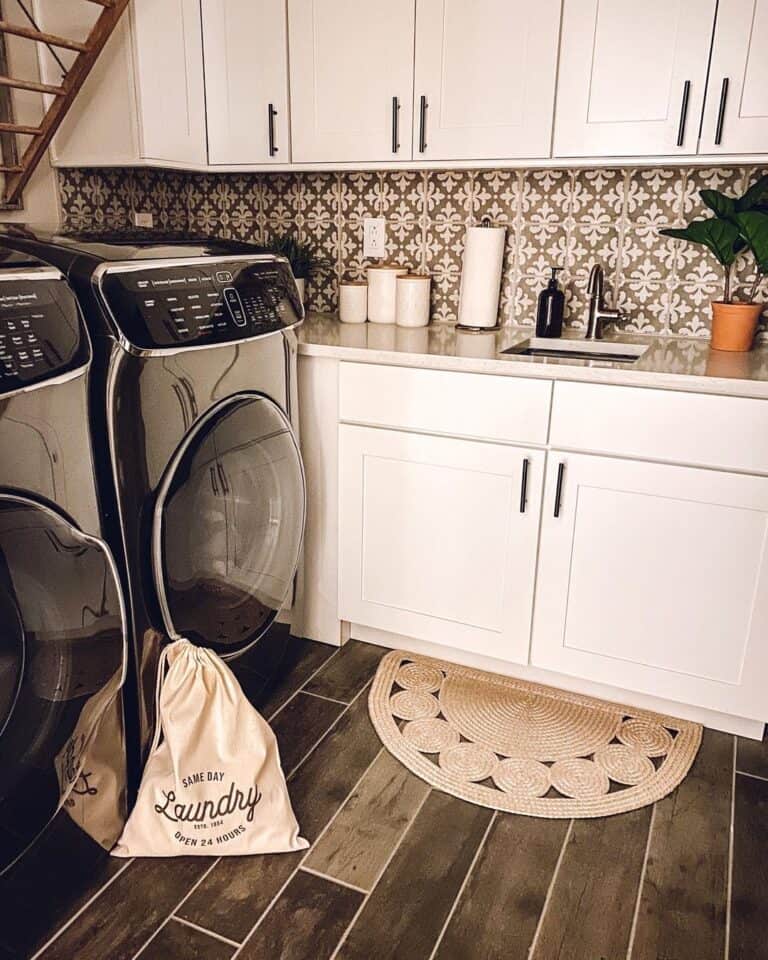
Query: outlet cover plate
<point x="145" y="220"/>
<point x="374" y="237"/>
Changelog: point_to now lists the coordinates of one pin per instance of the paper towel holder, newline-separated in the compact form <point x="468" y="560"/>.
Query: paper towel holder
<point x="485" y="223"/>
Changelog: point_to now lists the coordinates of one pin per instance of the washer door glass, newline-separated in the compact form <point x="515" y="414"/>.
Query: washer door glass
<point x="228" y="525"/>
<point x="62" y="657"/>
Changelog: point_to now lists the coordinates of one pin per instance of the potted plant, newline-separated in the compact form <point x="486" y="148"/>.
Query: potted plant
<point x="300" y="257"/>
<point x="739" y="224"/>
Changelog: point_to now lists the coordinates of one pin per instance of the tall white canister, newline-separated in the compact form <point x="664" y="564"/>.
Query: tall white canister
<point x="412" y="300"/>
<point x="382" y="291"/>
<point x="481" y="276"/>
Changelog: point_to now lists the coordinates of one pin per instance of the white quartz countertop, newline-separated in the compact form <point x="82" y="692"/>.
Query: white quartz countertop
<point x="671" y="363"/>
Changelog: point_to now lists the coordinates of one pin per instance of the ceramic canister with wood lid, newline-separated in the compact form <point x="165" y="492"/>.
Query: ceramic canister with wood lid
<point x="353" y="301"/>
<point x="382" y="292"/>
<point x="412" y="300"/>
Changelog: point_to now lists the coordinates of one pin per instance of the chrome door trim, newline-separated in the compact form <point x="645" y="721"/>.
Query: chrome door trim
<point x="131" y="266"/>
<point x="60" y="516"/>
<point x="162" y="492"/>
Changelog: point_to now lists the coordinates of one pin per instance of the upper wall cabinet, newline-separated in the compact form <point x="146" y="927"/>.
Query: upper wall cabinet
<point x="145" y="99"/>
<point x="351" y="79"/>
<point x="632" y="76"/>
<point x="246" y="95"/>
<point x="484" y="78"/>
<point x="736" y="113"/>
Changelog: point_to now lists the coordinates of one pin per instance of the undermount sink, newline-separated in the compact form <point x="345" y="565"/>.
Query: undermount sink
<point x="578" y="350"/>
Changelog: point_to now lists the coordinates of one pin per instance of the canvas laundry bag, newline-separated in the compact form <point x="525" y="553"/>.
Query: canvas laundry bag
<point x="213" y="784"/>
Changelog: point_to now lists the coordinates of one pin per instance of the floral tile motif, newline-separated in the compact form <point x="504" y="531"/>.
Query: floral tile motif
<point x="567" y="218"/>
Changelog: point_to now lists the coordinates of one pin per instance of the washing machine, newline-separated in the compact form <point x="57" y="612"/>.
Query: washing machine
<point x="63" y="630"/>
<point x="195" y="385"/>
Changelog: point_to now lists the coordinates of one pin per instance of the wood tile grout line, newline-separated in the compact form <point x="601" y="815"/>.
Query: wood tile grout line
<point x="327" y="876"/>
<point x="205" y="930"/>
<point x="537" y="932"/>
<point x="464" y="882"/>
<point x="640" y="885"/>
<point x="82" y="909"/>
<point x="181" y="903"/>
<point x="729" y="886"/>
<point x="321" y="696"/>
<point x="752" y="776"/>
<point x="383" y="870"/>
<point x="311" y="677"/>
<point x="306" y="855"/>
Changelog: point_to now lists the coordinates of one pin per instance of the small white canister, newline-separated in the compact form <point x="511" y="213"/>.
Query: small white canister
<point x="382" y="292"/>
<point x="412" y="308"/>
<point x="353" y="301"/>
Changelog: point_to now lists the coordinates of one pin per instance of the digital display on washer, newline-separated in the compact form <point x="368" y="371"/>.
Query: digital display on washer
<point x="164" y="306"/>
<point x="41" y="335"/>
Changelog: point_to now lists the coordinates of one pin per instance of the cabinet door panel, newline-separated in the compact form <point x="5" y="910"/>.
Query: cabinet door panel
<point x="240" y="86"/>
<point x="487" y="70"/>
<point x="738" y="56"/>
<point x="623" y="72"/>
<point x="348" y="59"/>
<point x="168" y="53"/>
<point x="433" y="544"/>
<point x="655" y="578"/>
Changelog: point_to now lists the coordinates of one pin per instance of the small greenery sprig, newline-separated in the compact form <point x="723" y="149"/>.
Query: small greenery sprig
<point x="303" y="264"/>
<point x="739" y="223"/>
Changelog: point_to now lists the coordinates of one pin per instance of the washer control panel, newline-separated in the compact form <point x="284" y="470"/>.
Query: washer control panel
<point x="159" y="306"/>
<point x="41" y="335"/>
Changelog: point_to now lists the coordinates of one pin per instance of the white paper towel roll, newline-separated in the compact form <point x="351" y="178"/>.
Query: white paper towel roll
<point x="481" y="277"/>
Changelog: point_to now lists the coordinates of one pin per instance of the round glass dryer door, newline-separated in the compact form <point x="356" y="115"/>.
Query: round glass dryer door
<point x="229" y="521"/>
<point x="62" y="661"/>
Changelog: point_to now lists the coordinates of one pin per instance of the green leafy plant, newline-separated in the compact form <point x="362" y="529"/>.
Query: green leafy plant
<point x="303" y="264"/>
<point x="739" y="224"/>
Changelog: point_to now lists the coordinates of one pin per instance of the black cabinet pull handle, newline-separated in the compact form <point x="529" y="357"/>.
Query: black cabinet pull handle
<point x="721" y="111"/>
<point x="559" y="488"/>
<point x="683" y="112"/>
<point x="524" y="485"/>
<point x="271" y="114"/>
<point x="395" y="124"/>
<point x="422" y="125"/>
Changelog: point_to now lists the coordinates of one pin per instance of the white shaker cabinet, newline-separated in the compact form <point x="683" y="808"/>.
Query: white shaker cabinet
<point x="351" y="76"/>
<point x="484" y="78"/>
<point x="145" y="98"/>
<point x="437" y="538"/>
<point x="736" y="111"/>
<point x="654" y="578"/>
<point x="246" y="94"/>
<point x="632" y="77"/>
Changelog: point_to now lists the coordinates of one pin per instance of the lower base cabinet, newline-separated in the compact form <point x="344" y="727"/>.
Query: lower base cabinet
<point x="438" y="538"/>
<point x="655" y="578"/>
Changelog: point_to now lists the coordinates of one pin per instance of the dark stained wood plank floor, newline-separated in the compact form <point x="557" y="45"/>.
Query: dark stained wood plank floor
<point x="398" y="870"/>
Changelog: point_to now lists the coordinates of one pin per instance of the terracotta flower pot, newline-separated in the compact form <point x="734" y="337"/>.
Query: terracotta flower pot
<point x="734" y="325"/>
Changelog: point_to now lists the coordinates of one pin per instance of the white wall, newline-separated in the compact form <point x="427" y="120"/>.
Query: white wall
<point x="41" y="198"/>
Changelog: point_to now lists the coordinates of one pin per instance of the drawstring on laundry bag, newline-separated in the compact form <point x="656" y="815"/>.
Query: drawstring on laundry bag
<point x="213" y="784"/>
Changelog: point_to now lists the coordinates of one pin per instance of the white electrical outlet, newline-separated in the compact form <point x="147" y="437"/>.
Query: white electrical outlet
<point x="145" y="220"/>
<point x="374" y="237"/>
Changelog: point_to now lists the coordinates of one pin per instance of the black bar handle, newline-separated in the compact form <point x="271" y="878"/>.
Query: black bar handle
<point x="721" y="111"/>
<point x="524" y="485"/>
<point x="271" y="114"/>
<point x="422" y="124"/>
<point x="559" y="487"/>
<point x="683" y="112"/>
<point x="395" y="124"/>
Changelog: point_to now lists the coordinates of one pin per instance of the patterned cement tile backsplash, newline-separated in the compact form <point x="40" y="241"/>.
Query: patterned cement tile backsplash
<point x="568" y="218"/>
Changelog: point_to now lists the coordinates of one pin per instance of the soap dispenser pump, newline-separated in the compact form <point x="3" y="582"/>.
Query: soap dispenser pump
<point x="549" y="314"/>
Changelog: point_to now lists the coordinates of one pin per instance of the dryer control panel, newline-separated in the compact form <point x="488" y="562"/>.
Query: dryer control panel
<point x="158" y="306"/>
<point x="41" y="335"/>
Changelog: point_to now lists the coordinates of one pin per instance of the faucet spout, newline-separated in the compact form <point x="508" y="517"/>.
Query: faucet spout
<point x="597" y="313"/>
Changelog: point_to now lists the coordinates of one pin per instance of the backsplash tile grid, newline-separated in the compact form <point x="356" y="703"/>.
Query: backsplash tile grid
<point x="567" y="218"/>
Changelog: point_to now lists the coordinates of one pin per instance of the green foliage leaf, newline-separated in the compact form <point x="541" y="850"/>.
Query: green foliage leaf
<point x="722" y="206"/>
<point x="753" y="225"/>
<point x="720" y="237"/>
<point x="754" y="195"/>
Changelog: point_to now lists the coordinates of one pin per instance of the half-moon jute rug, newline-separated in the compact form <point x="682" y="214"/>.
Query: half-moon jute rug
<point x="523" y="747"/>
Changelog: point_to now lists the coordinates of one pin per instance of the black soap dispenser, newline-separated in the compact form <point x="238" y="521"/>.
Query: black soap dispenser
<point x="549" y="313"/>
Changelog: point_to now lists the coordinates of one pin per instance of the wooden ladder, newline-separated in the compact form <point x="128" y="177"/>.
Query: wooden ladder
<point x="17" y="174"/>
